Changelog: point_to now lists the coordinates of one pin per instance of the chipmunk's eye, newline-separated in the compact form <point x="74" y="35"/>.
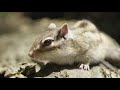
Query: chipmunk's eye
<point x="48" y="42"/>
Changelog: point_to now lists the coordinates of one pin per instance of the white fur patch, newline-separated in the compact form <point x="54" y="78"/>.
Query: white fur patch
<point x="52" y="26"/>
<point x="31" y="52"/>
<point x="38" y="47"/>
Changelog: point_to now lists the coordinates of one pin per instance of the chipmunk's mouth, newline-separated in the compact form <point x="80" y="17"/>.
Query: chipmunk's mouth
<point x="39" y="61"/>
<point x="35" y="56"/>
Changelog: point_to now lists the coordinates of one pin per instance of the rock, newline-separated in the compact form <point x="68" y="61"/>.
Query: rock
<point x="95" y="72"/>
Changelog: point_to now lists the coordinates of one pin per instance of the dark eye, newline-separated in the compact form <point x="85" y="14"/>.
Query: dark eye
<point x="48" y="42"/>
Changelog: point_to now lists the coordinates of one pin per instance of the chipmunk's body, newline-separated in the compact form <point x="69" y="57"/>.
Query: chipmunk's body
<point x="84" y="44"/>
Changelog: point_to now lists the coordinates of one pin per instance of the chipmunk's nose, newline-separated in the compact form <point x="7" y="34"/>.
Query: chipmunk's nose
<point x="31" y="54"/>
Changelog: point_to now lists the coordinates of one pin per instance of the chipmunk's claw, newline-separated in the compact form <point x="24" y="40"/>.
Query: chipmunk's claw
<point x="84" y="67"/>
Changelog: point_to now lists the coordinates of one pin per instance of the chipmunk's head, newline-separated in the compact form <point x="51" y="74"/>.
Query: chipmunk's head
<point x="47" y="46"/>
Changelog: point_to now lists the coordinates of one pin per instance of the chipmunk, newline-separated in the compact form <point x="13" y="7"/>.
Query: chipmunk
<point x="84" y="44"/>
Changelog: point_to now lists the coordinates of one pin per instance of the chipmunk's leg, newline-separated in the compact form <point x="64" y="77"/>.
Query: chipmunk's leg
<point x="85" y="67"/>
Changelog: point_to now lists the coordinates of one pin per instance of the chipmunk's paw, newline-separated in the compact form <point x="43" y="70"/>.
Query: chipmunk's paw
<point x="84" y="67"/>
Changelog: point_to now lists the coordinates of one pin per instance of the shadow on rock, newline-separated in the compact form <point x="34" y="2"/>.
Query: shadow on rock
<point x="51" y="67"/>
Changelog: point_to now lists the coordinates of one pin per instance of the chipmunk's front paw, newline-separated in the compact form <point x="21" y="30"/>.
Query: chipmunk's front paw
<point x="84" y="67"/>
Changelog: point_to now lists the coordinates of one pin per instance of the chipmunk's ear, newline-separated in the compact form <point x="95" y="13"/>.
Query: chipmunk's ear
<point x="63" y="31"/>
<point x="52" y="26"/>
